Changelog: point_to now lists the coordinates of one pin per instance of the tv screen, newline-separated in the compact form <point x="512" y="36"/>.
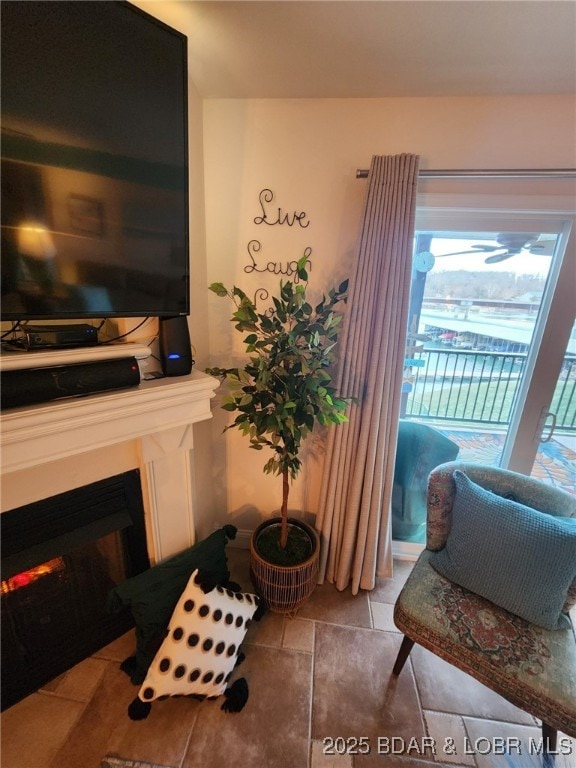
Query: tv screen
<point x="94" y="162"/>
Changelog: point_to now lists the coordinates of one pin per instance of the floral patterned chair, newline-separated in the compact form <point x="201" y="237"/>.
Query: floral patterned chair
<point x="529" y="665"/>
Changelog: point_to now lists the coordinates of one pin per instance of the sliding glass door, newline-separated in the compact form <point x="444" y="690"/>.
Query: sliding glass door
<point x="489" y="331"/>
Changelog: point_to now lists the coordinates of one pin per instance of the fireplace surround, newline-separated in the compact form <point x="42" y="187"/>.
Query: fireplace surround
<point x="56" y="447"/>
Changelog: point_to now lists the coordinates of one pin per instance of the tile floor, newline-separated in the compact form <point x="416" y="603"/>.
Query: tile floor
<point x="321" y="696"/>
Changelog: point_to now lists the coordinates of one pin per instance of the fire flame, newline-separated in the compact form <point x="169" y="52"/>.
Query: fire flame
<point x="29" y="577"/>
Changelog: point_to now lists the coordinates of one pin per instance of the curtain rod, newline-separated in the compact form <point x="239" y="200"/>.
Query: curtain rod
<point x="543" y="173"/>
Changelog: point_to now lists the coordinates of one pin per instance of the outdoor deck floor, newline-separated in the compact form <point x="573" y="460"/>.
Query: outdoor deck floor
<point x="555" y="461"/>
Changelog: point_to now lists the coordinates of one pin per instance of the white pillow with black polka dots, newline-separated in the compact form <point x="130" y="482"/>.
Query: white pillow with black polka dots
<point x="202" y="643"/>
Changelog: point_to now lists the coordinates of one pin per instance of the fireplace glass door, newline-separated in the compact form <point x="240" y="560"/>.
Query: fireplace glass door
<point x="60" y="559"/>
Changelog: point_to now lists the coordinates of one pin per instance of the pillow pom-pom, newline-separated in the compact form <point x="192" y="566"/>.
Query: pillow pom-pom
<point x="230" y="531"/>
<point x="207" y="581"/>
<point x="139" y="710"/>
<point x="261" y="610"/>
<point x="236" y="696"/>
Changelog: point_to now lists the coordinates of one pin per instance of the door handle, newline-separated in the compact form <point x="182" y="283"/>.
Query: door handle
<point x="551" y="427"/>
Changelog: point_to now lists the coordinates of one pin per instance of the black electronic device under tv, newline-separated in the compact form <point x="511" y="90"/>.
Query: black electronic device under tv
<point x="94" y="162"/>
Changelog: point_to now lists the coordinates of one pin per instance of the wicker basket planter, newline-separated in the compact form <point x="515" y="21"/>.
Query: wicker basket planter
<point x="284" y="587"/>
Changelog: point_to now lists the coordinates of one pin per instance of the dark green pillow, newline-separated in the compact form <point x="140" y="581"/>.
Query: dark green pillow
<point x="152" y="596"/>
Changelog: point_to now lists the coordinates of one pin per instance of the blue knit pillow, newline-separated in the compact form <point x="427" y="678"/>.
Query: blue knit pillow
<point x="518" y="558"/>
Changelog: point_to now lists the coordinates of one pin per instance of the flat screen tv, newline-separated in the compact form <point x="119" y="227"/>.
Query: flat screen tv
<point x="94" y="162"/>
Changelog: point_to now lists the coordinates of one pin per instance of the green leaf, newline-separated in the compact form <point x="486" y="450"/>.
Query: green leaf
<point x="218" y="289"/>
<point x="301" y="268"/>
<point x="240" y="293"/>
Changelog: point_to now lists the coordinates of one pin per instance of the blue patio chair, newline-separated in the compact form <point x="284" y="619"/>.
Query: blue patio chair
<point x="420" y="448"/>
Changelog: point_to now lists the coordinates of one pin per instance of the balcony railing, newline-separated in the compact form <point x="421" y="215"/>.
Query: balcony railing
<point x="479" y="387"/>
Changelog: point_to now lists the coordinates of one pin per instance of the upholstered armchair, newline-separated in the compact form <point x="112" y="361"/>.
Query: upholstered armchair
<point x="420" y="448"/>
<point x="491" y="592"/>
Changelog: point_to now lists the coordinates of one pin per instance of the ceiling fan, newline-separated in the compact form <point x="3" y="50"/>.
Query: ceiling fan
<point x="510" y="244"/>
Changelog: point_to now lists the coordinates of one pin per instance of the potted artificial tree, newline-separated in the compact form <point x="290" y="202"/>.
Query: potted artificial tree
<point x="280" y="394"/>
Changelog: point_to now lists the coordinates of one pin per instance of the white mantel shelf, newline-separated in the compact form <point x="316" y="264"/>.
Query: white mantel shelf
<point x="37" y="434"/>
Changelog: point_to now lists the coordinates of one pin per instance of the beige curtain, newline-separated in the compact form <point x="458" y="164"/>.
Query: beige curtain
<point x="354" y="514"/>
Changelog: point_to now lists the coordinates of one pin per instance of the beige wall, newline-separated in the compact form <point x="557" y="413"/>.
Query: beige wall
<point x="307" y="153"/>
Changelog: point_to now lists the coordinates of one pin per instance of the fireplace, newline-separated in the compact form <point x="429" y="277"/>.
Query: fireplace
<point x="52" y="448"/>
<point x="60" y="558"/>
